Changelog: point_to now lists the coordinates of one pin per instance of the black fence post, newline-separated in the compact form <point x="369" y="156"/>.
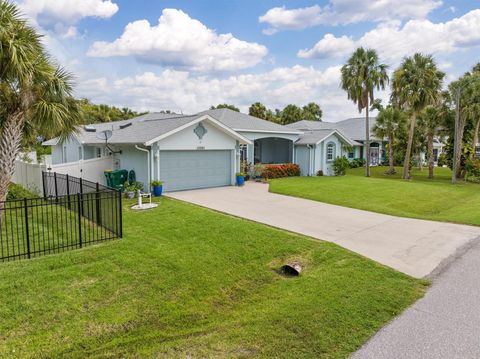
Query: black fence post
<point x="97" y="200"/>
<point x="68" y="193"/>
<point x="120" y="223"/>
<point x="56" y="187"/>
<point x="27" y="231"/>
<point x="79" y="210"/>
<point x="44" y="175"/>
<point x="81" y="191"/>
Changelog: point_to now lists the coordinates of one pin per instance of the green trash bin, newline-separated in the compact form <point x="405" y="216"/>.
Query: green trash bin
<point x="116" y="179"/>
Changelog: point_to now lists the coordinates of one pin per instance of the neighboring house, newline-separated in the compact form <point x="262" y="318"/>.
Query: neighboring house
<point x="201" y="150"/>
<point x="354" y="129"/>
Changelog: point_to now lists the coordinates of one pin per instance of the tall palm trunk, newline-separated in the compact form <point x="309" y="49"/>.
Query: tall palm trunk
<point x="475" y="137"/>
<point x="9" y="148"/>
<point x="391" y="168"/>
<point x="408" y="152"/>
<point x="367" y="141"/>
<point x="431" y="162"/>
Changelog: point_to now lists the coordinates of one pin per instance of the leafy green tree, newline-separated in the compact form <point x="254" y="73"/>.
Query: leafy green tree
<point x="93" y="113"/>
<point x="312" y="112"/>
<point x="360" y="77"/>
<point x="290" y="114"/>
<point x="258" y="109"/>
<point x="225" y="105"/>
<point x="35" y="94"/>
<point x="416" y="84"/>
<point x="390" y="121"/>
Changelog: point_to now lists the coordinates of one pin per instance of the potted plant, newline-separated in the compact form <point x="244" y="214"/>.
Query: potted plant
<point x="240" y="178"/>
<point x="129" y="189"/>
<point x="157" y="188"/>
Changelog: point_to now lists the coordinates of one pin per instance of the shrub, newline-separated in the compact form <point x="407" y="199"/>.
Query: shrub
<point x="357" y="162"/>
<point x="340" y="166"/>
<point x="473" y="170"/>
<point x="15" y="191"/>
<point x="320" y="173"/>
<point x="156" y="183"/>
<point x="279" y="171"/>
<point x="442" y="160"/>
<point x="240" y="174"/>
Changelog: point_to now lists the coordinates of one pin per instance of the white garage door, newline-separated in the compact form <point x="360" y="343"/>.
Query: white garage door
<point x="181" y="170"/>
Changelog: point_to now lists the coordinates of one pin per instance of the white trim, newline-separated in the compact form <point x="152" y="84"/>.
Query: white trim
<point x="199" y="119"/>
<point x="271" y="131"/>
<point x="341" y="135"/>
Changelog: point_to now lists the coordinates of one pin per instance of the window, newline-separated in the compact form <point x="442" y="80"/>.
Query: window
<point x="330" y="152"/>
<point x="351" y="155"/>
<point x="435" y="154"/>
<point x="99" y="152"/>
<point x="80" y="153"/>
<point x="64" y="154"/>
<point x="243" y="152"/>
<point x="477" y="151"/>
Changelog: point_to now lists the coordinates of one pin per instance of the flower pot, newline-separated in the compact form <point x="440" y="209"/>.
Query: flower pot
<point x="240" y="181"/>
<point x="157" y="191"/>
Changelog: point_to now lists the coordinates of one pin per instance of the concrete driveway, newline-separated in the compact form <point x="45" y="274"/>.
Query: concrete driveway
<point x="415" y="247"/>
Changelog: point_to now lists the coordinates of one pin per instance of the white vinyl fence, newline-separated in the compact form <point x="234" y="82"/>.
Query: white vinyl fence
<point x="29" y="175"/>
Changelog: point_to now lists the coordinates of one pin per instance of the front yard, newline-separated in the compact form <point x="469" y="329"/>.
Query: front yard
<point x="420" y="197"/>
<point x="187" y="281"/>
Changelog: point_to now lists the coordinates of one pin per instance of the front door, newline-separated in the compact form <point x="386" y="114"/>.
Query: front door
<point x="374" y="156"/>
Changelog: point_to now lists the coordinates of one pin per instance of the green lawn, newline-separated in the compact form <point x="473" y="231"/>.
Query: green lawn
<point x="420" y="197"/>
<point x="187" y="281"/>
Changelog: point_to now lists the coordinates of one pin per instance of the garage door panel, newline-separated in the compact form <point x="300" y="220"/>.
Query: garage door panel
<point x="181" y="170"/>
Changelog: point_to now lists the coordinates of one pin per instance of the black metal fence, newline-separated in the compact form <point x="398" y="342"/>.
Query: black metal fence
<point x="72" y="214"/>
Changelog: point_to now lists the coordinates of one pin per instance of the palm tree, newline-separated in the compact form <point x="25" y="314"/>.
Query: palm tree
<point x="35" y="95"/>
<point x="416" y="84"/>
<point x="430" y="120"/>
<point x="361" y="75"/>
<point x="390" y="120"/>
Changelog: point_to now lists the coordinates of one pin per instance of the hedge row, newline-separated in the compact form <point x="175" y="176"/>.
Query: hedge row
<point x="283" y="170"/>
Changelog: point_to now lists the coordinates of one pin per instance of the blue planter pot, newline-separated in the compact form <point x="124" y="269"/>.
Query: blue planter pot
<point x="157" y="191"/>
<point x="240" y="181"/>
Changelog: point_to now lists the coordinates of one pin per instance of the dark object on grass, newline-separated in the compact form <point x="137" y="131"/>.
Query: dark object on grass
<point x="291" y="269"/>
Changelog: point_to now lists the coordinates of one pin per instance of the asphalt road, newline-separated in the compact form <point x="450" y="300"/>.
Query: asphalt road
<point x="443" y="324"/>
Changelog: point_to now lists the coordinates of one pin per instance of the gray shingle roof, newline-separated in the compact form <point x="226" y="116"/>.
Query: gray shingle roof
<point x="313" y="137"/>
<point x="241" y="121"/>
<point x="351" y="127"/>
<point x="149" y="126"/>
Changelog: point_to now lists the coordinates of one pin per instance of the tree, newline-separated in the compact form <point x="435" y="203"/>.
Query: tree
<point x="290" y="114"/>
<point x="390" y="121"/>
<point x="93" y="113"/>
<point x="35" y="95"/>
<point x="466" y="92"/>
<point x="416" y="84"/>
<point x="225" y="105"/>
<point x="257" y="109"/>
<point x="430" y="120"/>
<point x="312" y="112"/>
<point x="361" y="75"/>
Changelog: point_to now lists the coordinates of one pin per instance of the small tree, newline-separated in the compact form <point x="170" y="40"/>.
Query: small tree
<point x="312" y="112"/>
<point x="258" y="109"/>
<point x="390" y="121"/>
<point x="291" y="114"/>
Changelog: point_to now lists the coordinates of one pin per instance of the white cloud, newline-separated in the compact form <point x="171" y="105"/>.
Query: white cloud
<point x="61" y="15"/>
<point x="345" y="12"/>
<point x="181" y="42"/>
<point x="329" y="46"/>
<point x="393" y="41"/>
<point x="275" y="88"/>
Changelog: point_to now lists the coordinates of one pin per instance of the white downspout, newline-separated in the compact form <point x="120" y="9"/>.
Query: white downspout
<point x="158" y="163"/>
<point x="148" y="160"/>
<point x="152" y="168"/>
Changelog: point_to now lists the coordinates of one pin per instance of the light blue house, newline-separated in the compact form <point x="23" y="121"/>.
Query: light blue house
<point x="201" y="150"/>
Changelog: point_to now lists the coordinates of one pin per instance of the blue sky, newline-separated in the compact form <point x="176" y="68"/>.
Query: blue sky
<point x="187" y="55"/>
